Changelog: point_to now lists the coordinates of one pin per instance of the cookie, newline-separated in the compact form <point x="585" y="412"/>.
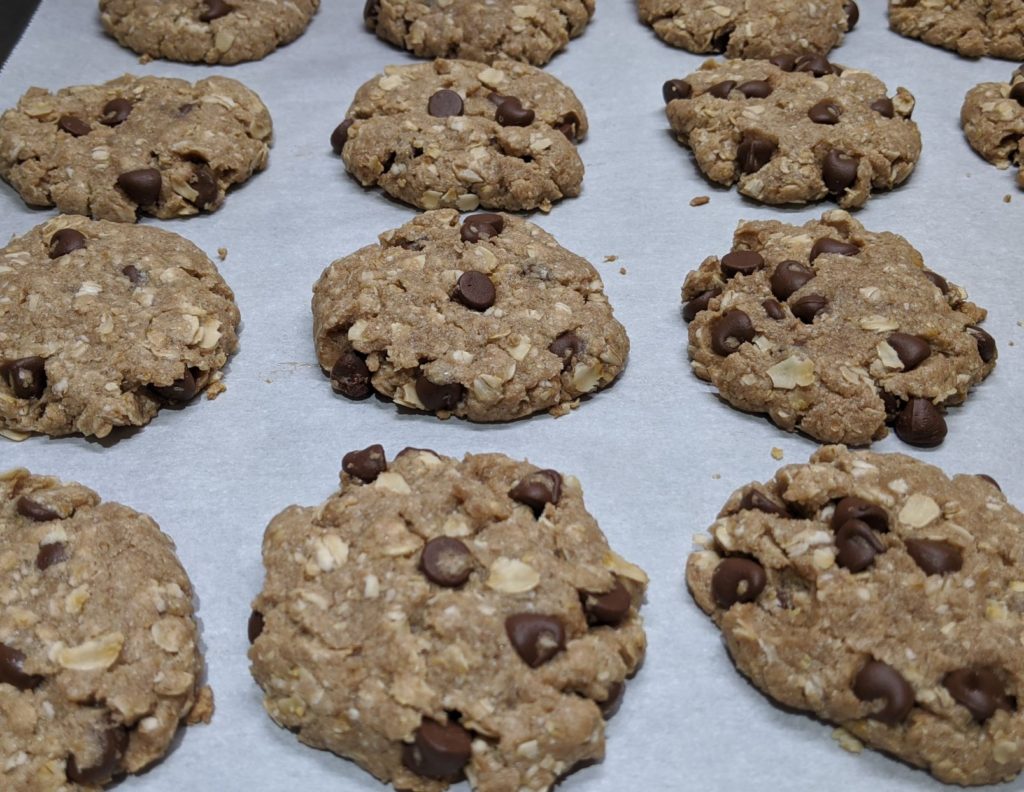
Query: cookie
<point x="970" y="27"/>
<point x="795" y="130"/>
<point x="993" y="120"/>
<point x="489" y="320"/>
<point x="460" y="134"/>
<point x="206" y="31"/>
<point x="835" y="331"/>
<point x="883" y="596"/>
<point x="504" y="29"/>
<point x="99" y="650"/>
<point x="103" y="323"/>
<point x="751" y="28"/>
<point x="155" y="145"/>
<point x="436" y="618"/>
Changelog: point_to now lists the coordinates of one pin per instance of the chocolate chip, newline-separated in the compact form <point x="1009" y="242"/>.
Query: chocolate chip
<point x="205" y="184"/>
<point x="920" y="423"/>
<point x="813" y="63"/>
<point x="774" y="309"/>
<point x="935" y="557"/>
<point x="474" y="290"/>
<point x="852" y="14"/>
<point x="737" y="580"/>
<point x="65" y="241"/>
<point x="181" y="390"/>
<point x="839" y="172"/>
<point x="1017" y="93"/>
<point x="365" y="465"/>
<point x="114" y="741"/>
<point x="569" y="126"/>
<point x="446" y="562"/>
<point x="699" y="303"/>
<point x="350" y="376"/>
<point x="876" y="681"/>
<point x="73" y="125"/>
<point x="833" y="246"/>
<point x="434" y="396"/>
<point x="215" y="9"/>
<point x="11" y="673"/>
<point x="440" y="752"/>
<point x="34" y="510"/>
<point x="979" y="690"/>
<point x="255" y="626"/>
<point x="912" y="350"/>
<point x="676" y="89"/>
<point x="883" y="107"/>
<point x="785" y="62"/>
<point x="741" y="262"/>
<point x="371" y="10"/>
<point x="755" y="89"/>
<point x="569" y="347"/>
<point x="986" y="344"/>
<point x="721" y="90"/>
<point x="753" y="499"/>
<point x="729" y="331"/>
<point x="50" y="554"/>
<point x="990" y="480"/>
<point x="536" y="638"/>
<point x="754" y="153"/>
<point x="808" y="307"/>
<point x="613" y="700"/>
<point x="893" y="404"/>
<point x="854" y="508"/>
<point x="339" y="137"/>
<point x="610" y="608"/>
<point x="824" y="112"/>
<point x="857" y="546"/>
<point x="789" y="277"/>
<point x="445" y="103"/>
<point x="512" y="113"/>
<point x="481" y="226"/>
<point x="496" y="98"/>
<point x="26" y="377"/>
<point x="538" y="489"/>
<point x="115" y="112"/>
<point x="142" y="186"/>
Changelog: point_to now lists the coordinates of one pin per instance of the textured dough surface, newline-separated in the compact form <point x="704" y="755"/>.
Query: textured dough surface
<point x="214" y="131"/>
<point x="108" y="631"/>
<point x="358" y="647"/>
<point x="970" y="27"/>
<point x="470" y="160"/>
<point x="993" y="122"/>
<point x="105" y="337"/>
<point x="815" y="625"/>
<point x="173" y="29"/>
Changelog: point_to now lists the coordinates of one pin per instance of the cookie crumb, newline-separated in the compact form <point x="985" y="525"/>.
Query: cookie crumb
<point x="622" y="270"/>
<point x="222" y="253"/>
<point x="1007" y="198"/>
<point x="847" y="741"/>
<point x="610" y="259"/>
<point x="144" y="59"/>
<point x="202" y="710"/>
<point x="777" y="453"/>
<point x="700" y="200"/>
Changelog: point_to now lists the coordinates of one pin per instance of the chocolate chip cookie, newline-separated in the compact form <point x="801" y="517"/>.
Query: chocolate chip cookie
<point x="835" y="331"/>
<point x="460" y="134"/>
<point x="531" y="31"/>
<point x="881" y="595"/>
<point x="99" y="654"/>
<point x="102" y="323"/>
<point x="751" y="28"/>
<point x="993" y="120"/>
<point x="970" y="27"/>
<point x="206" y="31"/>
<point x="155" y="145"/>
<point x="795" y="129"/>
<point x="437" y="618"/>
<point x="490" y="320"/>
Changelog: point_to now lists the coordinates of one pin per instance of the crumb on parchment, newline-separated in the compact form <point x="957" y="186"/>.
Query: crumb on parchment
<point x="222" y="253"/>
<point x="700" y="200"/>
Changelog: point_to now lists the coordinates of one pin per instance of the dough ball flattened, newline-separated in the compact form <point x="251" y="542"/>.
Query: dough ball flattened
<point x="206" y="31"/>
<point x="102" y="323"/>
<point x="993" y="120"/>
<point x="835" y="331"/>
<point x="531" y="31"/>
<point x="99" y="649"/>
<point x="156" y="145"/>
<point x="795" y="129"/>
<point x="437" y="618"/>
<point x="883" y="596"/>
<point x="751" y="28"/>
<point x="489" y="320"/>
<point x="970" y="27"/>
<point x="460" y="134"/>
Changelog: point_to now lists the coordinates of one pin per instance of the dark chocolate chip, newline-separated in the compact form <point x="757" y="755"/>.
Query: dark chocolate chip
<point x="481" y="226"/>
<point x="569" y="126"/>
<point x="474" y="290"/>
<point x="737" y="580"/>
<point x="613" y="701"/>
<point x="73" y="125"/>
<point x="935" y="557"/>
<point x="785" y="62"/>
<point x="912" y="350"/>
<point x="26" y="377"/>
<point x="142" y="186"/>
<point x="535" y="637"/>
<point x="609" y="608"/>
<point x="754" y="153"/>
<point x="34" y="510"/>
<point x="205" y="184"/>
<point x="741" y="262"/>
<point x="753" y="499"/>
<point x="371" y="10"/>
<point x="721" y="90"/>
<point x="920" y="423"/>
<point x="512" y="113"/>
<point x="990" y="480"/>
<point x="824" y="112"/>
<point x="114" y="741"/>
<point x="774" y="309"/>
<point x="852" y="14"/>
<point x="11" y="673"/>
<point x="833" y="246"/>
<point x="50" y="554"/>
<point x="435" y="397"/>
<point x="339" y="137"/>
<point x="350" y="376"/>
<point x="699" y="303"/>
<point x="65" y="241"/>
<point x="445" y="103"/>
<point x="446" y="562"/>
<point x="538" y="489"/>
<point x="115" y="112"/>
<point x="808" y="307"/>
<point x="215" y="9"/>
<point x="568" y="346"/>
<point x="676" y="89"/>
<point x="940" y="283"/>
<point x="854" y="508"/>
<point x="979" y="690"/>
<point x="789" y="277"/>
<point x="839" y="172"/>
<point x="255" y="627"/>
<point x="367" y="464"/>
<point x="440" y="752"/>
<point x="986" y="344"/>
<point x="857" y="546"/>
<point x="878" y="681"/>
<point x="755" y="89"/>
<point x="496" y="98"/>
<point x="181" y="390"/>
<point x="883" y="107"/>
<point x="729" y="331"/>
<point x="813" y="63"/>
<point x="1017" y="93"/>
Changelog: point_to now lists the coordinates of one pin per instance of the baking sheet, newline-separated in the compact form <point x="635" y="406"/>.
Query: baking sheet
<point x="657" y="454"/>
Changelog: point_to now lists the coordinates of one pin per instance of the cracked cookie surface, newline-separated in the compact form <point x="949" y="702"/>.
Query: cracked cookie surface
<point x="97" y="670"/>
<point x="883" y="596"/>
<point x="751" y="28"/>
<point x="438" y="618"/>
<point x="993" y="120"/>
<point x="101" y="323"/>
<point x="206" y="31"/>
<point x="970" y="27"/>
<point x="795" y="130"/>
<point x="835" y="331"/>
<point x="491" y="320"/>
<point x="156" y="145"/>
<point x="461" y="134"/>
<point x="531" y="32"/>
